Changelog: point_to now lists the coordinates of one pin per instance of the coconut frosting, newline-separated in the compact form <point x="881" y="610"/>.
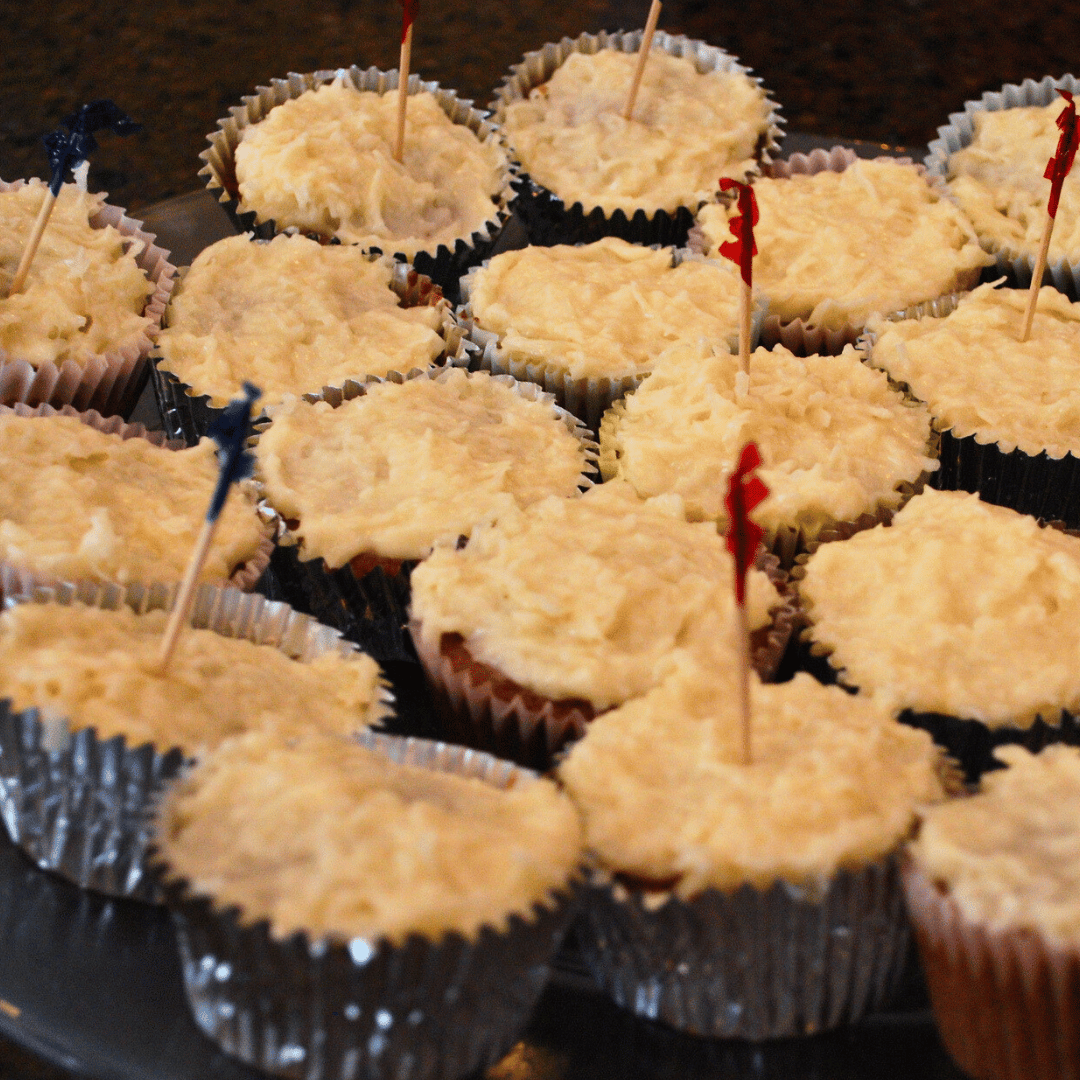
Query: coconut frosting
<point x="687" y="130"/>
<point x="291" y="316"/>
<point x="373" y="849"/>
<point x="324" y="162"/>
<point x="404" y="466"/>
<point x="836" y="441"/>
<point x="80" y="504"/>
<point x="961" y="607"/>
<point x="100" y="669"/>
<point x="835" y="247"/>
<point x="84" y="295"/>
<point x="585" y="598"/>
<point x="607" y="309"/>
<point x="1010" y="856"/>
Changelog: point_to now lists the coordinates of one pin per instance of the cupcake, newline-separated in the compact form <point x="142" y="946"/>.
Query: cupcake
<point x="80" y="330"/>
<point x="401" y="924"/>
<point x="960" y="617"/>
<point x="841" y="449"/>
<point x="590" y="172"/>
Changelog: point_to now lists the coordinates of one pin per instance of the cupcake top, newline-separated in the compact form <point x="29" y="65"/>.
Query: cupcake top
<point x="291" y="316"/>
<point x="373" y="849"/>
<point x="81" y="504"/>
<point x="406" y="465"/>
<point x="978" y="379"/>
<point x="835" y="247"/>
<point x="84" y="295"/>
<point x="666" y="800"/>
<point x="1010" y="855"/>
<point x="688" y="129"/>
<point x="324" y="162"/>
<point x="835" y="440"/>
<point x="585" y="598"/>
<point x="998" y="180"/>
<point x="607" y="309"/>
<point x="93" y="668"/>
<point x="960" y="607"/>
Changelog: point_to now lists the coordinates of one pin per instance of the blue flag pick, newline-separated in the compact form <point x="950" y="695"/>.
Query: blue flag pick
<point x="69" y="149"/>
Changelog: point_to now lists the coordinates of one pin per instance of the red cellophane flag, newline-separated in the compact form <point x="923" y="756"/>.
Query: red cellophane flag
<point x="742" y="249"/>
<point x="410" y="8"/>
<point x="1059" y="165"/>
<point x="743" y="535"/>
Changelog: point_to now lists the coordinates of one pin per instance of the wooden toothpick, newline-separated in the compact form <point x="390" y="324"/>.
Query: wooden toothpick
<point x="403" y="94"/>
<point x="643" y="55"/>
<point x="32" y="243"/>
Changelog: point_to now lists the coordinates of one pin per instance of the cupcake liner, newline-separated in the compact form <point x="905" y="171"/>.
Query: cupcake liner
<point x="1005" y="1002"/>
<point x="80" y="806"/>
<point x="303" y="1008"/>
<point x="20" y="579"/>
<point x="750" y="964"/>
<point x="187" y="415"/>
<point x="547" y="218"/>
<point x="443" y="265"/>
<point x="585" y="397"/>
<point x="110" y="382"/>
<point x="959" y="132"/>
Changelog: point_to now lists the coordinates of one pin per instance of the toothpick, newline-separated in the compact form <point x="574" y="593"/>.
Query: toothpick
<point x="1036" y="279"/>
<point x="32" y="243"/>
<point x="745" y="303"/>
<point x="186" y="595"/>
<point x="742" y="632"/>
<point x="643" y="55"/>
<point x="403" y="93"/>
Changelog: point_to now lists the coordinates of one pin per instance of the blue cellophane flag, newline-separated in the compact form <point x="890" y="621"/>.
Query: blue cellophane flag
<point x="68" y="149"/>
<point x="230" y="430"/>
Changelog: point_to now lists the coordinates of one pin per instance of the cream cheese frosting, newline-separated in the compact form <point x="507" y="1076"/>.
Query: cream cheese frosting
<point x="404" y="466"/>
<point x="84" y="295"/>
<point x="324" y="162"/>
<point x="687" y="130"/>
<point x="585" y="598"/>
<point x="79" y="503"/>
<point x="836" y="441"/>
<point x="1009" y="856"/>
<point x="372" y="849"/>
<point x="291" y="316"/>
<point x="835" y="247"/>
<point x="960" y="607"/>
<point x="606" y="309"/>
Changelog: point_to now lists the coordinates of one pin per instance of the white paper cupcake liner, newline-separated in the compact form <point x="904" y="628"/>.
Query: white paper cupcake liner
<point x="109" y="382"/>
<point x="443" y="265"/>
<point x="80" y="806"/>
<point x="311" y="1008"/>
<point x="547" y="218"/>
<point x="959" y="132"/>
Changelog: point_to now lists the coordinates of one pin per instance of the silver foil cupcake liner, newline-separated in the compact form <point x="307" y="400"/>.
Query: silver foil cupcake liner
<point x="444" y="266"/>
<point x="112" y="381"/>
<point x="311" y="1009"/>
<point x="81" y="806"/>
<point x="187" y="415"/>
<point x="547" y="218"/>
<point x="750" y="964"/>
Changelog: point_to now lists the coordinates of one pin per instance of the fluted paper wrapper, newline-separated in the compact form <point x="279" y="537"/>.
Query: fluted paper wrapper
<point x="959" y="132"/>
<point x="325" y="1008"/>
<point x="18" y="579"/>
<point x="109" y="382"/>
<point x="751" y="964"/>
<point x="547" y="218"/>
<point x="443" y="265"/>
<point x="586" y="397"/>
<point x="1006" y="1003"/>
<point x="80" y="806"/>
<point x="186" y="414"/>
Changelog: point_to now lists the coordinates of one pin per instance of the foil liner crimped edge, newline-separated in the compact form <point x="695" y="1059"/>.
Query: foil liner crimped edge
<point x="548" y="219"/>
<point x="79" y="805"/>
<point x="444" y="266"/>
<point x="750" y="964"/>
<point x="111" y="381"/>
<point x="325" y="1008"/>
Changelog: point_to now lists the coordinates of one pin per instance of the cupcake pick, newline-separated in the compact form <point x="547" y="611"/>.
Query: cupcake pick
<point x="742" y="250"/>
<point x="1056" y="170"/>
<point x="68" y="150"/>
<point x="643" y="55"/>
<point x="408" y="16"/>
<point x="229" y="430"/>
<point x="745" y="491"/>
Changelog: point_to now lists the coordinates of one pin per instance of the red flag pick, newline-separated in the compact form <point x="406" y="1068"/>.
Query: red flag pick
<point x="409" y="9"/>
<point x="742" y="250"/>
